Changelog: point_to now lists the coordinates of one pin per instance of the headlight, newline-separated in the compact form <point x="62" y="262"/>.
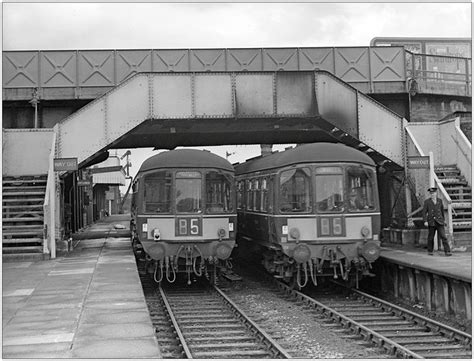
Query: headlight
<point x="370" y="251"/>
<point x="157" y="251"/>
<point x="223" y="251"/>
<point x="295" y="233"/>
<point x="301" y="253"/>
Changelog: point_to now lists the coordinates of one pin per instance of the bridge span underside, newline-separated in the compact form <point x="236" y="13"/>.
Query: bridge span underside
<point x="164" y="110"/>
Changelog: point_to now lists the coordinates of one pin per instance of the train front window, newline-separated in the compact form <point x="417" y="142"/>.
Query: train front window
<point x="360" y="188"/>
<point x="295" y="191"/>
<point x="157" y="192"/>
<point x="329" y="189"/>
<point x="218" y="193"/>
<point x="188" y="192"/>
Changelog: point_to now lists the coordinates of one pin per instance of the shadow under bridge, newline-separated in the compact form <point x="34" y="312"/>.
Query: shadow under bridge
<point x="165" y="110"/>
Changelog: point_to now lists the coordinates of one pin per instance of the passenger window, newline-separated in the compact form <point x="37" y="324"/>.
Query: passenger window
<point x="157" y="192"/>
<point x="218" y="193"/>
<point x="329" y="189"/>
<point x="240" y="194"/>
<point x="256" y="197"/>
<point x="248" y="190"/>
<point x="295" y="191"/>
<point x="360" y="189"/>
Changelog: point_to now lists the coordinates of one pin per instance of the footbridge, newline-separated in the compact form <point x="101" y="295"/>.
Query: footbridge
<point x="164" y="110"/>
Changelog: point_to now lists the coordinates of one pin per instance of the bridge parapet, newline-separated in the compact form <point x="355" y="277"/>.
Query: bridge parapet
<point x="88" y="74"/>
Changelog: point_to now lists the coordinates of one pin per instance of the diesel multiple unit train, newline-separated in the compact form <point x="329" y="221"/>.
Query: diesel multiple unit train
<point x="183" y="214"/>
<point x="308" y="212"/>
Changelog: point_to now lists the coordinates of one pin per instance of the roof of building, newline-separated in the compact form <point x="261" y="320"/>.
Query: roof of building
<point x="186" y="158"/>
<point x="307" y="153"/>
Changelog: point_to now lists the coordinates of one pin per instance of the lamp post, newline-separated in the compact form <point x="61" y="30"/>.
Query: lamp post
<point x="34" y="102"/>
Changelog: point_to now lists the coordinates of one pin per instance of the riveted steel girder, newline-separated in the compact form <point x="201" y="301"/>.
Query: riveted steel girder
<point x="171" y="109"/>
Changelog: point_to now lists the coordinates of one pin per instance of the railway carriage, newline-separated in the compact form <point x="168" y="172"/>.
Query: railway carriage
<point x="183" y="214"/>
<point x="311" y="211"/>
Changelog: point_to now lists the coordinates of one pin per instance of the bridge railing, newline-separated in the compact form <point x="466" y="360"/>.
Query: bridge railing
<point x="439" y="74"/>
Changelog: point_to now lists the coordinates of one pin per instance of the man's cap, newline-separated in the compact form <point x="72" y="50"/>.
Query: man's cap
<point x="432" y="189"/>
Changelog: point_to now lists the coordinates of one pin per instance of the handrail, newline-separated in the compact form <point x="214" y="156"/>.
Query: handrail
<point x="49" y="207"/>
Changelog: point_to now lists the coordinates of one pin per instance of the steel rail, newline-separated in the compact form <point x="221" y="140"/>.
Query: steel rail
<point x="449" y="331"/>
<point x="274" y="347"/>
<point x="369" y="335"/>
<point x="175" y="324"/>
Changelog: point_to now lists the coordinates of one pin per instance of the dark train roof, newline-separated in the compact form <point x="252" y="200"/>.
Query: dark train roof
<point x="307" y="153"/>
<point x="186" y="158"/>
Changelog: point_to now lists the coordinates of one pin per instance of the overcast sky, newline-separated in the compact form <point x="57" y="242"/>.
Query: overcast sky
<point x="47" y="26"/>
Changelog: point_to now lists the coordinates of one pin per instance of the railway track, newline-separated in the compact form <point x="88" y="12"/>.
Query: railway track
<point x="400" y="332"/>
<point x="202" y="322"/>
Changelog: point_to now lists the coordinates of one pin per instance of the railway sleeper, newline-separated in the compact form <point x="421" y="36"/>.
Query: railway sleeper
<point x="372" y="313"/>
<point x="228" y="333"/>
<point x="232" y="354"/>
<point x="396" y="334"/>
<point x="383" y="317"/>
<point x="210" y="322"/>
<point x="446" y="355"/>
<point x="443" y="347"/>
<point x="216" y="327"/>
<point x="406" y="341"/>
<point x="198" y="317"/>
<point x="235" y="345"/>
<point x="389" y="322"/>
<point x="221" y="338"/>
<point x="382" y="329"/>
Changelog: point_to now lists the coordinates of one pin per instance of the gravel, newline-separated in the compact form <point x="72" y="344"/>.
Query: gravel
<point x="297" y="328"/>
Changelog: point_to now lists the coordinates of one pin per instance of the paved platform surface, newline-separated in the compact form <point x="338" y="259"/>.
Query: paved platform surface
<point x="86" y="304"/>
<point x="458" y="266"/>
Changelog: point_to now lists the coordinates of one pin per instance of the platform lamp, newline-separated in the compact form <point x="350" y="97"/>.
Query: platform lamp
<point x="34" y="103"/>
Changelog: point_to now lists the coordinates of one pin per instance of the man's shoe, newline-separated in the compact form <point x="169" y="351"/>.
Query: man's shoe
<point x="430" y="253"/>
<point x="448" y="254"/>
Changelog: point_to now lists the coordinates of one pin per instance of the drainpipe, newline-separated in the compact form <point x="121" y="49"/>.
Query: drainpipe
<point x="34" y="102"/>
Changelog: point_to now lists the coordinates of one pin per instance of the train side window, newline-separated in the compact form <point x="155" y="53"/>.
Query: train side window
<point x="264" y="196"/>
<point x="329" y="189"/>
<point x="188" y="192"/>
<point x="295" y="191"/>
<point x="219" y="192"/>
<point x="360" y="188"/>
<point x="256" y="195"/>
<point x="240" y="194"/>
<point x="157" y="193"/>
<point x="248" y="190"/>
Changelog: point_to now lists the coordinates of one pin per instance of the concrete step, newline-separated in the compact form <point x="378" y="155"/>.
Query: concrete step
<point x="22" y="194"/>
<point x="23" y="200"/>
<point x="24" y="257"/>
<point x="21" y="219"/>
<point x="22" y="249"/>
<point x="7" y="241"/>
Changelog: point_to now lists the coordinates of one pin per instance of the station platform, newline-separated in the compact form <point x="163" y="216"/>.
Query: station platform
<point x="458" y="266"/>
<point x="87" y="303"/>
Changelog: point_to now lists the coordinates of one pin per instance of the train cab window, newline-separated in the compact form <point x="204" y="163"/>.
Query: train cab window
<point x="218" y="193"/>
<point x="295" y="191"/>
<point x="188" y="192"/>
<point x="157" y="192"/>
<point x="360" y="189"/>
<point x="329" y="189"/>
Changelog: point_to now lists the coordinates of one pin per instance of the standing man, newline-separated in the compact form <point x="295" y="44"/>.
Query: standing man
<point x="433" y="215"/>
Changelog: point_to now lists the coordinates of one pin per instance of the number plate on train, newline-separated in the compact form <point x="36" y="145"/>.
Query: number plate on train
<point x="188" y="226"/>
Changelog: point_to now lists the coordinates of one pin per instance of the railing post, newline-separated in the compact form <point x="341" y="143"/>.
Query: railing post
<point x="432" y="172"/>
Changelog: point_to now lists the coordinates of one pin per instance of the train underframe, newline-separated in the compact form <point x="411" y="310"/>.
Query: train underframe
<point x="304" y="264"/>
<point x="165" y="263"/>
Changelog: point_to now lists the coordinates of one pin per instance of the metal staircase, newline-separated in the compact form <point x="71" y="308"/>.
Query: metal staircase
<point x="461" y="195"/>
<point x="23" y="218"/>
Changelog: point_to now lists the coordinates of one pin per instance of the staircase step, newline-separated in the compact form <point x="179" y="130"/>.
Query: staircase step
<point x="16" y="200"/>
<point x="22" y="240"/>
<point x="462" y="224"/>
<point x="24" y="249"/>
<point x="21" y="233"/>
<point x="24" y="257"/>
<point x="24" y="187"/>
<point x="22" y="219"/>
<point x="25" y="193"/>
<point x="25" y="180"/>
<point x="459" y="204"/>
